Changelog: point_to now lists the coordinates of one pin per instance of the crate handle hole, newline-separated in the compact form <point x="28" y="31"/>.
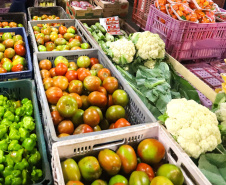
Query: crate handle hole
<point x="108" y="144"/>
<point x="184" y="168"/>
<point x="172" y="153"/>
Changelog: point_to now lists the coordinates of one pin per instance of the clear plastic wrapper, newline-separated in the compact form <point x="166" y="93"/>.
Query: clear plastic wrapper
<point x="204" y="5"/>
<point x="85" y="4"/>
<point x="221" y="16"/>
<point x="75" y="4"/>
<point x="170" y="12"/>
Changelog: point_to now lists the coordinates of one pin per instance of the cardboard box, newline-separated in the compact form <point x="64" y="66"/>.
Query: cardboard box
<point x="79" y="13"/>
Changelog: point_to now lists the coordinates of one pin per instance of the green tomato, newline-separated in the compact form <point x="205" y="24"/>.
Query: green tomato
<point x="99" y="182"/>
<point x="120" y="97"/>
<point x="83" y="61"/>
<point x="61" y="59"/>
<point x="85" y="46"/>
<point x="19" y="60"/>
<point x="6" y="36"/>
<point x="114" y="113"/>
<point x="77" y="118"/>
<point x="41" y="48"/>
<point x="2" y="47"/>
<point x="118" y="179"/>
<point x="1" y="55"/>
<point x="139" y="177"/>
<point x="7" y="65"/>
<point x="20" y="25"/>
<point x="70" y="30"/>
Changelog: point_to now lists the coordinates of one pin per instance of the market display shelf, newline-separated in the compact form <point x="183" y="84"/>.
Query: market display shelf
<point x="22" y="74"/>
<point x="136" y="111"/>
<point x="26" y="89"/>
<point x="39" y="11"/>
<point x="132" y="135"/>
<point x="18" y="17"/>
<point x="67" y="23"/>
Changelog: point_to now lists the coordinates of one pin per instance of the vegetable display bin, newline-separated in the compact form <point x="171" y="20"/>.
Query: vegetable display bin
<point x="90" y="146"/>
<point x="136" y="111"/>
<point x="22" y="74"/>
<point x="18" y="17"/>
<point x="39" y="11"/>
<point x="66" y="22"/>
<point x="186" y="40"/>
<point x="26" y="89"/>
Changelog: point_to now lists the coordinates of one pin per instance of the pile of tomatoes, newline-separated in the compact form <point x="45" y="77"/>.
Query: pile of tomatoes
<point x="53" y="39"/>
<point x="45" y="17"/>
<point x="124" y="167"/>
<point x="81" y="94"/>
<point x="12" y="52"/>
<point x="6" y="24"/>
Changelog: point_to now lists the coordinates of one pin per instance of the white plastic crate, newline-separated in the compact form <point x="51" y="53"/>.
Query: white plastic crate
<point x="137" y="112"/>
<point x="132" y="135"/>
<point x="67" y="23"/>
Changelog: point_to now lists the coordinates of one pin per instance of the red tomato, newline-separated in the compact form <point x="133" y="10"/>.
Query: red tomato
<point x="112" y="126"/>
<point x="74" y="28"/>
<point x="61" y="82"/>
<point x="147" y="169"/>
<point x="47" y="82"/>
<point x="18" y="67"/>
<point x="102" y="90"/>
<point x="45" y="64"/>
<point x="110" y="84"/>
<point x="61" y="69"/>
<point x="20" y="50"/>
<point x="53" y="94"/>
<point x="83" y="128"/>
<point x="92" y="83"/>
<point x="83" y="73"/>
<point x="97" y="99"/>
<point x="74" y="182"/>
<point x="91" y="117"/>
<point x="60" y="36"/>
<point x="57" y="118"/>
<point x="110" y="100"/>
<point x="2" y="70"/>
<point x="62" y="30"/>
<point x="93" y="61"/>
<point x="78" y="38"/>
<point x="45" y="73"/>
<point x="5" y="59"/>
<point x="71" y="39"/>
<point x="77" y="98"/>
<point x="66" y="127"/>
<point x="53" y="72"/>
<point x="71" y="75"/>
<point x="122" y="122"/>
<point x="75" y="86"/>
<point x="104" y="73"/>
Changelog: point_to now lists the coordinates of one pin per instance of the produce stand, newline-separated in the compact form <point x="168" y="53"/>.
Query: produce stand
<point x="95" y="104"/>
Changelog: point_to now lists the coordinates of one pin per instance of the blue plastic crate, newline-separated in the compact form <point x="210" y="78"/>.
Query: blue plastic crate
<point x="21" y="74"/>
<point x="26" y="89"/>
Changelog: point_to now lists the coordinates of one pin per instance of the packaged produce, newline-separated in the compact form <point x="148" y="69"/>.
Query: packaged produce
<point x="7" y="24"/>
<point x="161" y="5"/>
<point x="45" y="17"/>
<point x="177" y="1"/>
<point x="170" y="12"/>
<point x="12" y="53"/>
<point x="203" y="4"/>
<point x="19" y="156"/>
<point x="75" y="3"/>
<point x="121" y="166"/>
<point x="205" y="16"/>
<point x="58" y="39"/>
<point x="83" y="95"/>
<point x="81" y="4"/>
<point x="221" y="16"/>
<point x="183" y="12"/>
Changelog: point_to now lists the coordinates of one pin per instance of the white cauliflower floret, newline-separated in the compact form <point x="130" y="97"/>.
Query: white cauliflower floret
<point x="123" y="51"/>
<point x="194" y="126"/>
<point x="149" y="45"/>
<point x="150" y="64"/>
<point x="221" y="112"/>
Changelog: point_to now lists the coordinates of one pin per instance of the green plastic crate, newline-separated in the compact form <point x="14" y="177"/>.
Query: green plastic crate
<point x="26" y="89"/>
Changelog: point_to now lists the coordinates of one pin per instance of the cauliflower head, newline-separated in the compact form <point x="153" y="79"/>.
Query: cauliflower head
<point x="123" y="51"/>
<point x="194" y="126"/>
<point x="221" y="112"/>
<point x="149" y="45"/>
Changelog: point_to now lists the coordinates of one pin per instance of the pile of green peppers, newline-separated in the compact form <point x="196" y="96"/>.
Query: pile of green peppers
<point x="19" y="157"/>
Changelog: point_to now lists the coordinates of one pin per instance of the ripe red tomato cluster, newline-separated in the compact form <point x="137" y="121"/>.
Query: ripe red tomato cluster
<point x="84" y="97"/>
<point x="12" y="52"/>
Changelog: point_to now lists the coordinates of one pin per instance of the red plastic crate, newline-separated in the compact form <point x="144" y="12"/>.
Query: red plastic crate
<point x="140" y="12"/>
<point x="186" y="40"/>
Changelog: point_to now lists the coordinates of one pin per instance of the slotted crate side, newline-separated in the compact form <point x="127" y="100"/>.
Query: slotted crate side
<point x="26" y="89"/>
<point x="39" y="11"/>
<point x="21" y="74"/>
<point x="67" y="22"/>
<point x="133" y="135"/>
<point x="136" y="110"/>
<point x="140" y="12"/>
<point x="185" y="40"/>
<point x="18" y="17"/>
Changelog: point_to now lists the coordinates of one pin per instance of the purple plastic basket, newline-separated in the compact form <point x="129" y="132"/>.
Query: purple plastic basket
<point x="186" y="40"/>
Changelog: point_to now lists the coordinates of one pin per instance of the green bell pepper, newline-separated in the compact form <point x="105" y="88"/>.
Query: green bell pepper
<point x="28" y="109"/>
<point x="21" y="165"/>
<point x="14" y="125"/>
<point x="19" y="111"/>
<point x="2" y="157"/>
<point x="24" y="177"/>
<point x="29" y="144"/>
<point x="9" y="161"/>
<point x="36" y="174"/>
<point x="6" y="122"/>
<point x="14" y="146"/>
<point x="2" y="167"/>
<point x="16" y="173"/>
<point x="25" y="100"/>
<point x="17" y="181"/>
<point x="33" y="136"/>
<point x="2" y="111"/>
<point x="4" y="145"/>
<point x="3" y="130"/>
<point x="17" y="155"/>
<point x="17" y="119"/>
<point x="8" y="179"/>
<point x="24" y="133"/>
<point x="34" y="157"/>
<point x="9" y="115"/>
<point x="7" y="171"/>
<point x="14" y="134"/>
<point x="28" y="123"/>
